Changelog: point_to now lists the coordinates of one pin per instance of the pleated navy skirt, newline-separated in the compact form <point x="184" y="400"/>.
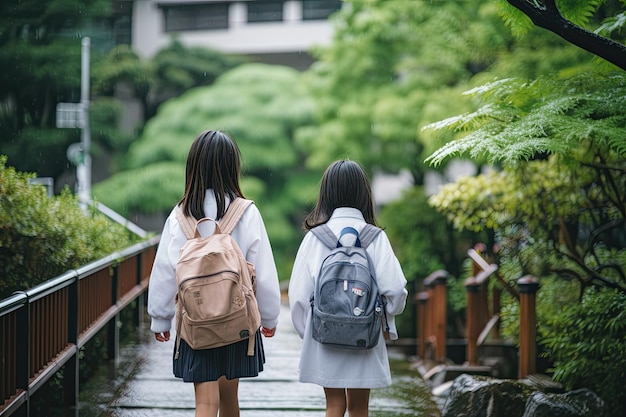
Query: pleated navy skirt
<point x="231" y="361"/>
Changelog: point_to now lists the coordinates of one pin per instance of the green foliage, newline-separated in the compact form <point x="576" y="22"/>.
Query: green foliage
<point x="420" y="251"/>
<point x="473" y="203"/>
<point x="41" y="65"/>
<point x="389" y="62"/>
<point x="122" y="65"/>
<point x="42" y="237"/>
<point x="553" y="115"/>
<point x="580" y="120"/>
<point x="588" y="343"/>
<point x="556" y="209"/>
<point x="41" y="150"/>
<point x="179" y="68"/>
<point x="554" y="296"/>
<point x="104" y="115"/>
<point x="152" y="189"/>
<point x="578" y="12"/>
<point x="548" y="217"/>
<point x="172" y="71"/>
<point x="261" y="106"/>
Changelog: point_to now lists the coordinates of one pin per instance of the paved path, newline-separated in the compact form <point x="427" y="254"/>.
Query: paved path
<point x="148" y="389"/>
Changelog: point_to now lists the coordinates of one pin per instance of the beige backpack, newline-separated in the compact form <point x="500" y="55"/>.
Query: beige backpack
<point x="216" y="304"/>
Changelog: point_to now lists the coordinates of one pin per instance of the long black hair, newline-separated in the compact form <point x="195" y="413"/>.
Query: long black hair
<point x="344" y="184"/>
<point x="214" y="161"/>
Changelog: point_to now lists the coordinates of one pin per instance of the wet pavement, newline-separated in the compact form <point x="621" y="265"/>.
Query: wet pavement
<point x="141" y="384"/>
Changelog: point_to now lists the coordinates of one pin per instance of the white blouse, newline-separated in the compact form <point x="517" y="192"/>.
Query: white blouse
<point x="333" y="367"/>
<point x="251" y="236"/>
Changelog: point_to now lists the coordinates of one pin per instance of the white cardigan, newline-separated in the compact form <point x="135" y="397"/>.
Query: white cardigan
<point x="333" y="367"/>
<point x="250" y="235"/>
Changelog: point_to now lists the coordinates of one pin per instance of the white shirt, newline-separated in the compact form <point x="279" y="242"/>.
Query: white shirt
<point x="333" y="367"/>
<point x="250" y="235"/>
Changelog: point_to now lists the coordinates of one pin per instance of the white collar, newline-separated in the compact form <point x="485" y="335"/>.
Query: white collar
<point x="347" y="212"/>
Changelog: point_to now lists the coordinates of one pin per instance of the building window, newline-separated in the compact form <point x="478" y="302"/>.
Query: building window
<point x="195" y="17"/>
<point x="319" y="9"/>
<point x="265" y="11"/>
<point x="122" y="23"/>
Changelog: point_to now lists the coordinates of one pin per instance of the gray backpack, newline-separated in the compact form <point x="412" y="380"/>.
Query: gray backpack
<point x="347" y="306"/>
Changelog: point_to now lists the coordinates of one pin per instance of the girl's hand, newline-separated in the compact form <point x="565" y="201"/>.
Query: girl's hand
<point x="268" y="332"/>
<point x="162" y="337"/>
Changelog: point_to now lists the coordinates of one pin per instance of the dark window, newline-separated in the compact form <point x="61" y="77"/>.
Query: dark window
<point x="195" y="17"/>
<point x="122" y="22"/>
<point x="265" y="11"/>
<point x="319" y="9"/>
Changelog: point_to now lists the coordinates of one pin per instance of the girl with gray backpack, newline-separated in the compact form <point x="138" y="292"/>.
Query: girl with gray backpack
<point x="345" y="280"/>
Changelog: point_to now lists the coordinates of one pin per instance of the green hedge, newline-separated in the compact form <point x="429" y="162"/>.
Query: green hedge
<point x="42" y="237"/>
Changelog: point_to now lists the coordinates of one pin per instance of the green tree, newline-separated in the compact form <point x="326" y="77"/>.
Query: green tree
<point x="42" y="237"/>
<point x="389" y="68"/>
<point x="178" y="68"/>
<point x="261" y="105"/>
<point x="581" y="214"/>
<point x="589" y="346"/>
<point x="567" y="19"/>
<point x="122" y="75"/>
<point x="38" y="51"/>
<point x="169" y="73"/>
<point x="557" y="208"/>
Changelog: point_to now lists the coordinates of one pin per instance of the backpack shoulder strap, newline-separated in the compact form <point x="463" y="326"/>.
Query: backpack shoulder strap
<point x="233" y="214"/>
<point x="368" y="234"/>
<point x="187" y="223"/>
<point x="323" y="233"/>
<point x="326" y="235"/>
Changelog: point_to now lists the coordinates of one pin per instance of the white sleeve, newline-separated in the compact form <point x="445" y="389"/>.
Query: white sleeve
<point x="390" y="278"/>
<point x="162" y="284"/>
<point x="301" y="285"/>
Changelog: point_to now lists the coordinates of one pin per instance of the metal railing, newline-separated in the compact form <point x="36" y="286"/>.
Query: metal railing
<point x="42" y="329"/>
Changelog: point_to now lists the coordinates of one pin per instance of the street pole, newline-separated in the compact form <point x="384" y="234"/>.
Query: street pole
<point x="83" y="170"/>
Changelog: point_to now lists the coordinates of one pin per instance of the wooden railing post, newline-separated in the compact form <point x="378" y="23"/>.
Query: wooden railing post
<point x="496" y="295"/>
<point x="436" y="282"/>
<point x="138" y="310"/>
<point x="71" y="374"/>
<point x="113" y="332"/>
<point x="472" y="329"/>
<point x="527" y="286"/>
<point x="422" y="312"/>
<point x="481" y="271"/>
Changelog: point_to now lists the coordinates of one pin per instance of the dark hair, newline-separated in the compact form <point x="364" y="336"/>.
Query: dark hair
<point x="214" y="161"/>
<point x="344" y="184"/>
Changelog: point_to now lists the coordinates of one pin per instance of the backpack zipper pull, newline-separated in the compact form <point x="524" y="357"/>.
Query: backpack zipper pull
<point x="345" y="285"/>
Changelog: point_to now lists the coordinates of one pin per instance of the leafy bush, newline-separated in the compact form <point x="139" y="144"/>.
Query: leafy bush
<point x="589" y="345"/>
<point x="42" y="237"/>
<point x="418" y="233"/>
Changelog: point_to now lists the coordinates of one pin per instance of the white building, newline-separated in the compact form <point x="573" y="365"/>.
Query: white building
<point x="270" y="31"/>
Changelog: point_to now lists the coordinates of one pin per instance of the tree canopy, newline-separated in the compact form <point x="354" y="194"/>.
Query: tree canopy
<point x="554" y="199"/>
<point x="566" y="18"/>
<point x="261" y="106"/>
<point x="40" y="43"/>
<point x="388" y="68"/>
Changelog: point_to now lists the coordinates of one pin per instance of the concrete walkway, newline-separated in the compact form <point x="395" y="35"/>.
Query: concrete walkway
<point x="148" y="388"/>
